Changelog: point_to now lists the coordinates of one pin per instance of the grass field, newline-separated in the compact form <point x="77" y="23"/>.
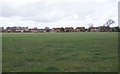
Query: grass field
<point x="0" y="52"/>
<point x="60" y="52"/>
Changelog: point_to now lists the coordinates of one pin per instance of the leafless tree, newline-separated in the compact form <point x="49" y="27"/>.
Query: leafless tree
<point x="90" y="25"/>
<point x="109" y="22"/>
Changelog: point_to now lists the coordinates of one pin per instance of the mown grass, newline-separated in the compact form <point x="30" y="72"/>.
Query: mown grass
<point x="60" y="52"/>
<point x="0" y="52"/>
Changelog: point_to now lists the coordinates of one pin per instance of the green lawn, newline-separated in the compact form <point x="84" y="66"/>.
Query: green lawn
<point x="60" y="52"/>
<point x="0" y="52"/>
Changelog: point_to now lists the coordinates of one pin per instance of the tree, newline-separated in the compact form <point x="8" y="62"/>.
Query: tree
<point x="1" y="29"/>
<point x="109" y="22"/>
<point x="90" y="26"/>
<point x="7" y="28"/>
<point x="62" y="29"/>
<point x="47" y="29"/>
<point x="115" y="29"/>
<point x="82" y="29"/>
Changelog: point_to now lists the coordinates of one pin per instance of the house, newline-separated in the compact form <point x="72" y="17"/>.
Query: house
<point x="80" y="29"/>
<point x="77" y="29"/>
<point x="35" y="30"/>
<point x="105" y="29"/>
<point x="41" y="30"/>
<point x="100" y="29"/>
<point x="22" y="29"/>
<point x="2" y="29"/>
<point x="58" y="29"/>
<point x="94" y="29"/>
<point x="69" y="29"/>
<point x="17" y="29"/>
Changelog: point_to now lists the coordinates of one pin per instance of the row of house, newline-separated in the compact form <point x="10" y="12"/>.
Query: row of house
<point x="104" y="29"/>
<point x="90" y="29"/>
<point x="66" y="29"/>
<point x="20" y="29"/>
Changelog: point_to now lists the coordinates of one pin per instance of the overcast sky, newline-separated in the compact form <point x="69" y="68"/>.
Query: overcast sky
<point x="57" y="13"/>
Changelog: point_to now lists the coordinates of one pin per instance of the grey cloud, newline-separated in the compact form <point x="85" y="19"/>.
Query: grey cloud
<point x="58" y="12"/>
<point x="40" y="12"/>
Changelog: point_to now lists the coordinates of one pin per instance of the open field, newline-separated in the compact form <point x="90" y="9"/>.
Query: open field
<point x="60" y="52"/>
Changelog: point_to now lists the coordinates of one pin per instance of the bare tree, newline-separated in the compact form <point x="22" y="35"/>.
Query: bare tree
<point x="109" y="22"/>
<point x="90" y="25"/>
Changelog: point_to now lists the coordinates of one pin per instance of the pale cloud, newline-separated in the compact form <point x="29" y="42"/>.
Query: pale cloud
<point x="57" y="13"/>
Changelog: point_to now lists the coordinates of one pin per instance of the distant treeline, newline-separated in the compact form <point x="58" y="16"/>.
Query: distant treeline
<point x="105" y="28"/>
<point x="66" y="29"/>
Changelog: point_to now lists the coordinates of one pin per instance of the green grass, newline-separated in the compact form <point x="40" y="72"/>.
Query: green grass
<point x="0" y="52"/>
<point x="60" y="52"/>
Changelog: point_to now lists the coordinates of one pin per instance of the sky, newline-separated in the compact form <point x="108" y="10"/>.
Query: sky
<point x="57" y="13"/>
